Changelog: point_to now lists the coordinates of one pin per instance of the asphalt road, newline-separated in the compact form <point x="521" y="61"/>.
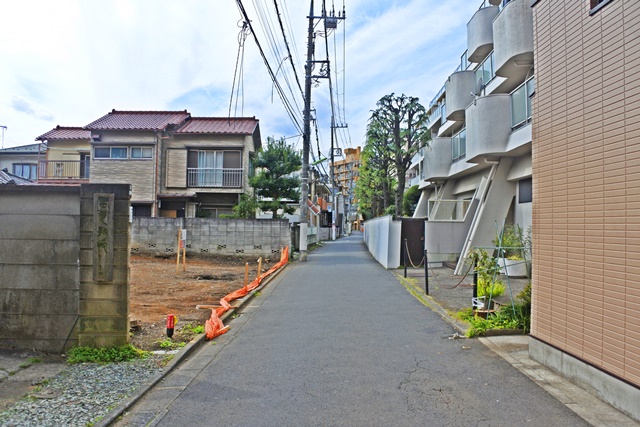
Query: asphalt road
<point x="338" y="341"/>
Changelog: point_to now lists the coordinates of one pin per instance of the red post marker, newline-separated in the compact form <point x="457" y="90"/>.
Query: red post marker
<point x="171" y="322"/>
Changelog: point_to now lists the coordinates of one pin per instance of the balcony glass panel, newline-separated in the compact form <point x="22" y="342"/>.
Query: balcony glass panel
<point x="485" y="71"/>
<point x="459" y="145"/>
<point x="521" y="103"/>
<point x="443" y="113"/>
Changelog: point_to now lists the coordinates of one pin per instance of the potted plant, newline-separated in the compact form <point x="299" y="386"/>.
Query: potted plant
<point x="512" y="251"/>
<point x="488" y="287"/>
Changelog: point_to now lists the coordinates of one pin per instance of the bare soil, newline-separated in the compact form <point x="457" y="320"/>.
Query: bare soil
<point x="157" y="290"/>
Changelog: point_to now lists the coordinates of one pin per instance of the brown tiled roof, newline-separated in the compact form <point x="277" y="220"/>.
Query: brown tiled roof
<point x="219" y="125"/>
<point x="138" y="120"/>
<point x="65" y="132"/>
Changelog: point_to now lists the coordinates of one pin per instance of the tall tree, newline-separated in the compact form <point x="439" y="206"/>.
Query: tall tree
<point x="400" y="122"/>
<point x="274" y="181"/>
<point x="376" y="182"/>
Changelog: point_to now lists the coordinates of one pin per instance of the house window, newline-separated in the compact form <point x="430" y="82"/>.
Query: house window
<point x="214" y="168"/>
<point x="596" y="5"/>
<point x="25" y="170"/>
<point x="141" y="152"/>
<point x="110" y="153"/>
<point x="525" y="190"/>
<point x="141" y="210"/>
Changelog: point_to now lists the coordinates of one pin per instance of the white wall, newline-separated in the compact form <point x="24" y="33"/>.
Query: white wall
<point x="382" y="236"/>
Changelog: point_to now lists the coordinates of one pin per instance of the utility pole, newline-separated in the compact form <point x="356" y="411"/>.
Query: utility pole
<point x="3" y="129"/>
<point x="330" y="22"/>
<point x="306" y="139"/>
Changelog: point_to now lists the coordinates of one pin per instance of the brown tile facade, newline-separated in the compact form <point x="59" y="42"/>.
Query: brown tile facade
<point x="586" y="182"/>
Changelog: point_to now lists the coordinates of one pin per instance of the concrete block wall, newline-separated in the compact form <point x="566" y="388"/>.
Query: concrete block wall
<point x="39" y="241"/>
<point x="211" y="236"/>
<point x="50" y="300"/>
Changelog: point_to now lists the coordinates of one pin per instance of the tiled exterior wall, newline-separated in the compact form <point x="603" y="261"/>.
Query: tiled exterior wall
<point x="139" y="173"/>
<point x="586" y="183"/>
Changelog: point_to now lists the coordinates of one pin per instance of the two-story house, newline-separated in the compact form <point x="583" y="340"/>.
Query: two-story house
<point x="177" y="165"/>
<point x="68" y="156"/>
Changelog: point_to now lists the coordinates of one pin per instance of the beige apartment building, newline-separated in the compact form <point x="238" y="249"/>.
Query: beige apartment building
<point x="346" y="173"/>
<point x="586" y="195"/>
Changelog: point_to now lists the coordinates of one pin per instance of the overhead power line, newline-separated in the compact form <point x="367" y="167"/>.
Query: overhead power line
<point x="288" y="107"/>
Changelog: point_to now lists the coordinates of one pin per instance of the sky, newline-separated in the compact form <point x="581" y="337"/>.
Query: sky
<point x="70" y="62"/>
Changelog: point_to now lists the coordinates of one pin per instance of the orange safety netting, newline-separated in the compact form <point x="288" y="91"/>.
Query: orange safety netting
<point x="214" y="326"/>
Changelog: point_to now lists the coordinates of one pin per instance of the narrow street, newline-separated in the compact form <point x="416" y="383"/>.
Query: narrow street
<point x="338" y="341"/>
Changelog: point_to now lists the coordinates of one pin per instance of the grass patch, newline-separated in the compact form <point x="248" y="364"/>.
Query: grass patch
<point x="30" y="361"/>
<point x="105" y="355"/>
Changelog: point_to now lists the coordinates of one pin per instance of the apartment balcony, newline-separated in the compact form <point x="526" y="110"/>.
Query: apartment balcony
<point x="488" y="121"/>
<point x="459" y="88"/>
<point x="447" y="228"/>
<point x="480" y="33"/>
<point x="437" y="159"/>
<point x="63" y="170"/>
<point x="214" y="178"/>
<point x="513" y="42"/>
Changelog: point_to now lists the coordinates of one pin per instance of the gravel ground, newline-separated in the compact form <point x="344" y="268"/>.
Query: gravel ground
<point x="81" y="394"/>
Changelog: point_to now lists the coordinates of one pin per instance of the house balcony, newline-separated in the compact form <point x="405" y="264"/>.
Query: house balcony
<point x="459" y="87"/>
<point x="437" y="160"/>
<point x="513" y="42"/>
<point x="63" y="170"/>
<point x="480" y="33"/>
<point x="214" y="177"/>
<point x="488" y="121"/>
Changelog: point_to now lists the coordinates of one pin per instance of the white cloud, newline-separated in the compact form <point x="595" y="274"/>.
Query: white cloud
<point x="76" y="60"/>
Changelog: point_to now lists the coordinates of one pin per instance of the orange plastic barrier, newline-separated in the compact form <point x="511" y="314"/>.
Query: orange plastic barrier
<point x="214" y="326"/>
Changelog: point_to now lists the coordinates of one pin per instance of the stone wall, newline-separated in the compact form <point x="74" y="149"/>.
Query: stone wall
<point x="50" y="298"/>
<point x="211" y="236"/>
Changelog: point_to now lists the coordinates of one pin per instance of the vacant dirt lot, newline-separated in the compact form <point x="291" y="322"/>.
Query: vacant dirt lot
<point x="157" y="290"/>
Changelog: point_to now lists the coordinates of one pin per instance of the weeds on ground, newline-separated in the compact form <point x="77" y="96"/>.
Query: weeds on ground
<point x="169" y="344"/>
<point x="105" y="355"/>
<point x="30" y="361"/>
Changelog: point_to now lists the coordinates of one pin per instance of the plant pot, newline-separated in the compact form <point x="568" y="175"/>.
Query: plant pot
<point x="514" y="267"/>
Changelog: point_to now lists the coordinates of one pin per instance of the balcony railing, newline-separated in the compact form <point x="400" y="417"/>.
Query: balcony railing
<point x="214" y="178"/>
<point x="63" y="169"/>
<point x="448" y="210"/>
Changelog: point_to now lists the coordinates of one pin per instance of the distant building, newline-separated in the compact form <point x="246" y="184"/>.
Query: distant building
<point x="22" y="161"/>
<point x="346" y="174"/>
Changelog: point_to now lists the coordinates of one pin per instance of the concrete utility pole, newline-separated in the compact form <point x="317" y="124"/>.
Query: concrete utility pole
<point x="330" y="22"/>
<point x="306" y="139"/>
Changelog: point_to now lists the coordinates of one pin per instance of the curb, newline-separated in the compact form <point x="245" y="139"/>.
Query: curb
<point x="113" y="415"/>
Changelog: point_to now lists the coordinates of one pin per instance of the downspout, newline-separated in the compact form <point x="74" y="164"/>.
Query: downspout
<point x="156" y="183"/>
